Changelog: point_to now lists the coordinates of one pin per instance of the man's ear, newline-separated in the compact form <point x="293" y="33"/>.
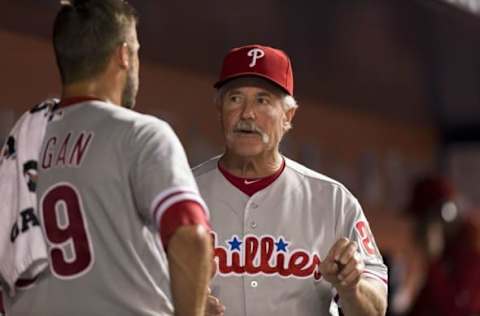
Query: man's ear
<point x="122" y="55"/>
<point x="287" y="122"/>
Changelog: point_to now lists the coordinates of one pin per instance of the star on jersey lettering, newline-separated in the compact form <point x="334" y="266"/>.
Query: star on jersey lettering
<point x="281" y="245"/>
<point x="235" y="243"/>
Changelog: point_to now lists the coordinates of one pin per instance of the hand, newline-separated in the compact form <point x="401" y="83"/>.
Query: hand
<point x="189" y="283"/>
<point x="214" y="307"/>
<point x="343" y="265"/>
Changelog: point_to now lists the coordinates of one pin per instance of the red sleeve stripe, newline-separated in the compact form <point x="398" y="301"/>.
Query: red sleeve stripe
<point x="165" y="194"/>
<point x="373" y="275"/>
<point x="176" y="197"/>
<point x="169" y="193"/>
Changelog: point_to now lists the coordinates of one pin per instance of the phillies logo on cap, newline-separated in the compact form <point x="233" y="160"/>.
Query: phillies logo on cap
<point x="265" y="62"/>
<point x="255" y="53"/>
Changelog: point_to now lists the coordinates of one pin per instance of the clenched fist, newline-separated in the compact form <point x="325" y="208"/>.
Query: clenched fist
<point x="343" y="265"/>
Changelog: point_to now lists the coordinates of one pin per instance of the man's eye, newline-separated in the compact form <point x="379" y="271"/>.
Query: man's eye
<point x="264" y="101"/>
<point x="235" y="98"/>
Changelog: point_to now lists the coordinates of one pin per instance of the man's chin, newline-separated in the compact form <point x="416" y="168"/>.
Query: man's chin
<point x="247" y="150"/>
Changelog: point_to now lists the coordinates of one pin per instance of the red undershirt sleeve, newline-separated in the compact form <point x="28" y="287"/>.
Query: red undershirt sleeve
<point x="182" y="213"/>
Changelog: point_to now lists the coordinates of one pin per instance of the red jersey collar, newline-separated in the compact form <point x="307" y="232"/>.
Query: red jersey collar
<point x="250" y="186"/>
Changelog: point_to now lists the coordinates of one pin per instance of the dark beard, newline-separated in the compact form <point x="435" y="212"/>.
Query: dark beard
<point x="129" y="93"/>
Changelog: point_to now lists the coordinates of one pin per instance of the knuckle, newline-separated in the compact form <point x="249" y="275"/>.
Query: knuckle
<point x="357" y="257"/>
<point x="344" y="241"/>
<point x="353" y="246"/>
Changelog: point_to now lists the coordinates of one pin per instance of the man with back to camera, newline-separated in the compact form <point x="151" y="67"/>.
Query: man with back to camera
<point x="118" y="204"/>
<point x="288" y="240"/>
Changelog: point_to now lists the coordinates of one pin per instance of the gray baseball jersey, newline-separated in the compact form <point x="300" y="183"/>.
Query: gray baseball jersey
<point x="268" y="246"/>
<point x="106" y="175"/>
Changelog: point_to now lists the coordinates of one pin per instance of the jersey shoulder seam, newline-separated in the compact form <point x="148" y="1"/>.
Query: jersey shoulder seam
<point x="206" y="166"/>
<point x="317" y="176"/>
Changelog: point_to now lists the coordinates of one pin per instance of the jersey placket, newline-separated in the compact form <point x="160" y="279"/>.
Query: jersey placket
<point x="252" y="284"/>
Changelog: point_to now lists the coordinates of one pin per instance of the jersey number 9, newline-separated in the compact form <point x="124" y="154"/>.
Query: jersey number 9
<point x="69" y="247"/>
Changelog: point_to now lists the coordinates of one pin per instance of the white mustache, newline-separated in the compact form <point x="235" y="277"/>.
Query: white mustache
<point x="251" y="127"/>
<point x="247" y="126"/>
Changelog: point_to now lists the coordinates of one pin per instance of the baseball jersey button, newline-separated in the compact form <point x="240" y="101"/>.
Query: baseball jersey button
<point x="254" y="284"/>
<point x="253" y="224"/>
<point x="254" y="205"/>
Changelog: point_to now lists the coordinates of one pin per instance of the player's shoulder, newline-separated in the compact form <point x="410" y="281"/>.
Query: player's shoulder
<point x="316" y="178"/>
<point x="121" y="115"/>
<point x="206" y="167"/>
<point x="137" y="125"/>
<point x="309" y="173"/>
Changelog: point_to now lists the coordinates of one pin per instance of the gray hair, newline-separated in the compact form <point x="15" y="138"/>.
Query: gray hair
<point x="288" y="103"/>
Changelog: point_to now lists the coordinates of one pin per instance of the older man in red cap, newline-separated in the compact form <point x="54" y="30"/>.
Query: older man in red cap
<point x="288" y="240"/>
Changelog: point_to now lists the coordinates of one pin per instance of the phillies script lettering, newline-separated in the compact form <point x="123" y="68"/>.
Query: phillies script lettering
<point x="265" y="255"/>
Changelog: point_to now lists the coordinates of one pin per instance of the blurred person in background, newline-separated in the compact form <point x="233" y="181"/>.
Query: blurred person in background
<point x="450" y="242"/>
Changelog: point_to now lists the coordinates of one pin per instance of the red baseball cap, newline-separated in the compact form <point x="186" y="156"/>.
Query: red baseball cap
<point x="257" y="60"/>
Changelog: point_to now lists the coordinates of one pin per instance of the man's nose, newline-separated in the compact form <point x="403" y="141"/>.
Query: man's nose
<point x="248" y="111"/>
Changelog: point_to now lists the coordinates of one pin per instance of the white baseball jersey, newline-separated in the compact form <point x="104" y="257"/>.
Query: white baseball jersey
<point x="268" y="246"/>
<point x="106" y="175"/>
